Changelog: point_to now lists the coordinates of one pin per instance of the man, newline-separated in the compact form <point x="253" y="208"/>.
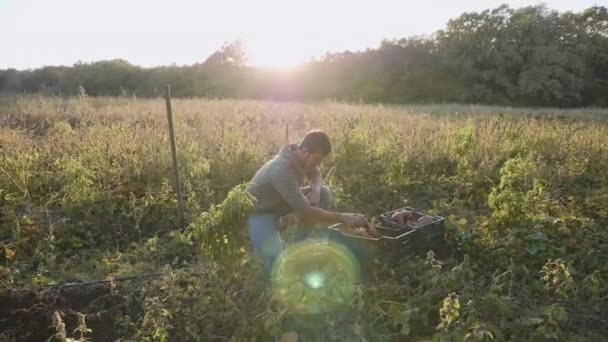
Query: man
<point x="277" y="188"/>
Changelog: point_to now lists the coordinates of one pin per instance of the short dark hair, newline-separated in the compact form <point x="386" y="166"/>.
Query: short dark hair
<point x="316" y="142"/>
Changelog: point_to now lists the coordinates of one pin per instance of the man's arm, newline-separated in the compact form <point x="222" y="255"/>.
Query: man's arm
<point x="286" y="183"/>
<point x="322" y="215"/>
<point x="314" y="178"/>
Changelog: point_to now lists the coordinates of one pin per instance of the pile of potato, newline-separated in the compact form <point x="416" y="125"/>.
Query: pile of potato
<point x="402" y="217"/>
<point x="408" y="217"/>
<point x="368" y="231"/>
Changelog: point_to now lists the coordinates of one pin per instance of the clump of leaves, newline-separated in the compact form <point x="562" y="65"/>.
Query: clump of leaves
<point x="557" y="277"/>
<point x="220" y="231"/>
<point x="450" y="311"/>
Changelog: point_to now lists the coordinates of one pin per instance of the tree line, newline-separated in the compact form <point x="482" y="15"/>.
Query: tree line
<point x="530" y="56"/>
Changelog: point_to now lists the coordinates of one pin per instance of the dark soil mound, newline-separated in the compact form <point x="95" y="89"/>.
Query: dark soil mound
<point x="26" y="315"/>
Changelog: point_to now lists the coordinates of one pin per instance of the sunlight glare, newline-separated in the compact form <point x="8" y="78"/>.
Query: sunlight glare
<point x="269" y="53"/>
<point x="315" y="276"/>
<point x="315" y="279"/>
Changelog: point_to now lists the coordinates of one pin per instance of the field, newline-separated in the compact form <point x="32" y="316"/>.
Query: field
<point x="86" y="194"/>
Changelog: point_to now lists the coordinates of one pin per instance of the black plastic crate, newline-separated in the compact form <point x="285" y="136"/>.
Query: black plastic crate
<point x="424" y="237"/>
<point x="397" y="241"/>
<point x="386" y="219"/>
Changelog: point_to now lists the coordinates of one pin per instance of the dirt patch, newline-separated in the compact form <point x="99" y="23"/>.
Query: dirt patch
<point x="26" y="315"/>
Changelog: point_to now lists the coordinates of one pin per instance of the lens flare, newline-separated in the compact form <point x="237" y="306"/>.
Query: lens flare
<point x="315" y="279"/>
<point x="315" y="276"/>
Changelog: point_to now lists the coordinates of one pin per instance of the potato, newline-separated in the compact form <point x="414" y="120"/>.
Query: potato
<point x="402" y="216"/>
<point x="397" y="217"/>
<point x="372" y="231"/>
<point x="369" y="230"/>
<point x="359" y="231"/>
<point x="423" y="221"/>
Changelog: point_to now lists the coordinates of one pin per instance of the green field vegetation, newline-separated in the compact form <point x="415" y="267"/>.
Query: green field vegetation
<point x="86" y="193"/>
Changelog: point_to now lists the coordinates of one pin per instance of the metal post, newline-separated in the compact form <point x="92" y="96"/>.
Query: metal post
<point x="178" y="187"/>
<point x="287" y="133"/>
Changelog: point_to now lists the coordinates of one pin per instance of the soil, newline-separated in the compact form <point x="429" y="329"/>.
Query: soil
<point x="26" y="315"/>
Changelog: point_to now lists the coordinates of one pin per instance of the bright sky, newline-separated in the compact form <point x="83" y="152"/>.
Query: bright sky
<point x="276" y="33"/>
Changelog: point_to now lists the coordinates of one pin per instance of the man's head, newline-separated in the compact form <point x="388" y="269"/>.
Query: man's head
<point x="313" y="149"/>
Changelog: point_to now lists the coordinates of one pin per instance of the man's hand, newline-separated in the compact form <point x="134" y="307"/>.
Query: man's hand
<point x="354" y="220"/>
<point x="314" y="197"/>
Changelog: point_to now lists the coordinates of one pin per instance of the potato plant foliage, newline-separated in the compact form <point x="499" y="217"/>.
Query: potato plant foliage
<point x="86" y="193"/>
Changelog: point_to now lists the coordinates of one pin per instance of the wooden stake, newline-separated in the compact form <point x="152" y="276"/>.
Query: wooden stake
<point x="287" y="133"/>
<point x="178" y="187"/>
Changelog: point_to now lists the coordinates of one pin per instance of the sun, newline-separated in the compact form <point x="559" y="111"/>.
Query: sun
<point x="273" y="55"/>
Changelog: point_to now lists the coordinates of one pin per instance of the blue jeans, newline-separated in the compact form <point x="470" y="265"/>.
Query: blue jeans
<point x="264" y="232"/>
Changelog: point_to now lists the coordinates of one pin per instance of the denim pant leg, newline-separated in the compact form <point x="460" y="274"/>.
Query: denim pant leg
<point x="264" y="235"/>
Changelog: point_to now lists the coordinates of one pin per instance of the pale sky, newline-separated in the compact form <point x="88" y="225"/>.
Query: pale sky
<point x="277" y="33"/>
